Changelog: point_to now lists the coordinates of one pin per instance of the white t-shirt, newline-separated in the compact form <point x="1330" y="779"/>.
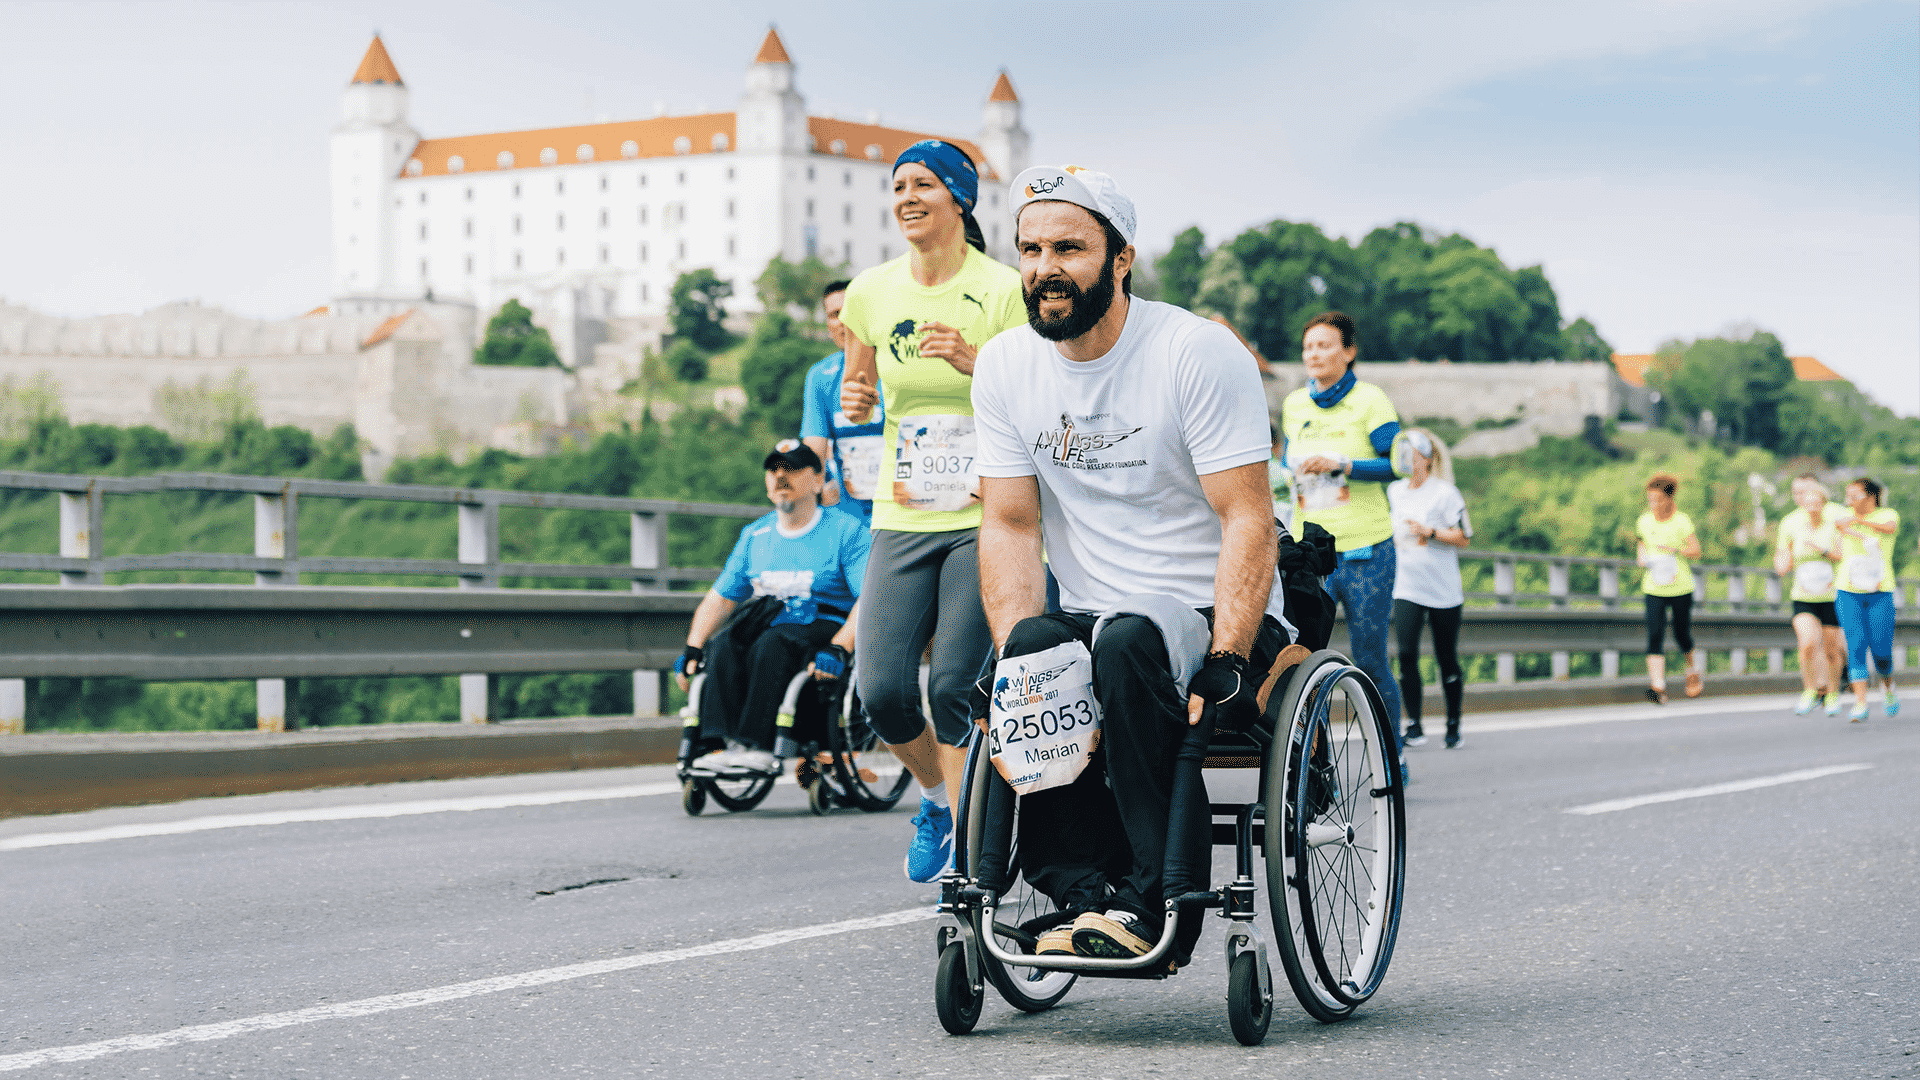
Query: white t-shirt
<point x="1429" y="574"/>
<point x="1119" y="445"/>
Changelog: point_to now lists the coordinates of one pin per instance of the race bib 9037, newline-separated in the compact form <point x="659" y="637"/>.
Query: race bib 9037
<point x="933" y="463"/>
<point x="1043" y="723"/>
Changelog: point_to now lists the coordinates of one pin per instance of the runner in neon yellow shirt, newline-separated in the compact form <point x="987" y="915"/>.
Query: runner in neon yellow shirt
<point x="1868" y="532"/>
<point x="1667" y="547"/>
<point x="1804" y="555"/>
<point x="914" y="327"/>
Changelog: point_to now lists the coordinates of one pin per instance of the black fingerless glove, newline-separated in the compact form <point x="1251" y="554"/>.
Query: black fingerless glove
<point x="1222" y="682"/>
<point x="690" y="662"/>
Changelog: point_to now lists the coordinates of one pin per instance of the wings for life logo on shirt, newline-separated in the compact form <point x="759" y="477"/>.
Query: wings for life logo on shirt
<point x="904" y="341"/>
<point x="795" y="587"/>
<point x="1071" y="446"/>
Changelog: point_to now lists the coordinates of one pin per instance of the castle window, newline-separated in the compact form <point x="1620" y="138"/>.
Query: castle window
<point x="629" y="149"/>
<point x="883" y="219"/>
<point x="873" y="151"/>
<point x="423" y="198"/>
<point x="682" y="145"/>
<point x="516" y="259"/>
<point x="606" y="254"/>
<point x="729" y="173"/>
<point x="683" y="249"/>
<point x="469" y="194"/>
<point x="643" y="292"/>
<point x="606" y="217"/>
<point x="846" y="214"/>
<point x="516" y="224"/>
<point x="505" y="161"/>
<point x="456" y="163"/>
<point x="423" y="268"/>
<point x="809" y="174"/>
<point x="729" y="207"/>
<point x="548" y="155"/>
<point x="996" y="236"/>
<point x="469" y="228"/>
<point x="837" y="146"/>
<point x="813" y="143"/>
<point x="730" y="248"/>
<point x="643" y="179"/>
<point x="603" y="183"/>
<point x="885" y="254"/>
<point x="846" y="251"/>
<point x="559" y="187"/>
<point x="719" y="140"/>
<point x="643" y="253"/>
<point x="560" y="257"/>
<point x="583" y="152"/>
<point x="469" y="266"/>
<point x="415" y="167"/>
<point x="423" y="230"/>
<point x="643" y="215"/>
<point x="559" y="223"/>
<point x="809" y="207"/>
<point x="682" y="178"/>
<point x="846" y="178"/>
<point x="516" y="190"/>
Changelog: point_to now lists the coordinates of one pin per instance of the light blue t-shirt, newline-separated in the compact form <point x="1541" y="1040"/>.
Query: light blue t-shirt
<point x="817" y="571"/>
<point x="850" y="445"/>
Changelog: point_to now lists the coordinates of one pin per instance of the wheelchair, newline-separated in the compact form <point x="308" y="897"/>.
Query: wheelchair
<point x="1330" y="827"/>
<point x="839" y="760"/>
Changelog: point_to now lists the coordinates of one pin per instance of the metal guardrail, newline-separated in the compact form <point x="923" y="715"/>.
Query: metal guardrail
<point x="1738" y="591"/>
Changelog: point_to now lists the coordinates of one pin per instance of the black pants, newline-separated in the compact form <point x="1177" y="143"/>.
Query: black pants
<point x="747" y="679"/>
<point x="1070" y="848"/>
<point x="1657" y="608"/>
<point x="1407" y="618"/>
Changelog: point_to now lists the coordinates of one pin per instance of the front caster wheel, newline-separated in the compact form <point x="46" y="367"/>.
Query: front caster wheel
<point x="820" y="796"/>
<point x="1247" y="1011"/>
<point x="693" y="797"/>
<point x="954" y="997"/>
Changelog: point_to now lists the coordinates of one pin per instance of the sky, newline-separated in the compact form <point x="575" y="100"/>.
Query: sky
<point x="1681" y="168"/>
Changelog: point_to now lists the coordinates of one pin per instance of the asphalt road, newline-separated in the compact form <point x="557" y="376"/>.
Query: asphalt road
<point x="1765" y="932"/>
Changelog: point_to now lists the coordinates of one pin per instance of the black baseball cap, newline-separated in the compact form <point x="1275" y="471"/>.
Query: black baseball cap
<point x="793" y="454"/>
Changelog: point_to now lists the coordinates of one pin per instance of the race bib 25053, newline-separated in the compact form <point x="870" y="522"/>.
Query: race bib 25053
<point x="933" y="463"/>
<point x="1043" y="722"/>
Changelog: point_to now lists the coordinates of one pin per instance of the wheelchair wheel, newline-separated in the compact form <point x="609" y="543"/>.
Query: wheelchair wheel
<point x="820" y="796"/>
<point x="693" y="797"/>
<point x="735" y="795"/>
<point x="954" y="998"/>
<point x="1024" y="988"/>
<point x="1247" y="1012"/>
<point x="1335" y="838"/>
<point x="864" y="769"/>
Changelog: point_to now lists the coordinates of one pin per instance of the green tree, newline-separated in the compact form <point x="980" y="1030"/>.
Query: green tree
<point x="1269" y="281"/>
<point x="1181" y="268"/>
<point x="1742" y="382"/>
<point x="513" y="340"/>
<point x="696" y="307"/>
<point x="686" y="361"/>
<point x="786" y="284"/>
<point x="1582" y="341"/>
<point x="774" y="371"/>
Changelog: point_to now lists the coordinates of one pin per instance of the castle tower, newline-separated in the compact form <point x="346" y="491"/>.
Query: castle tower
<point x="371" y="145"/>
<point x="1002" y="139"/>
<point x="772" y="117"/>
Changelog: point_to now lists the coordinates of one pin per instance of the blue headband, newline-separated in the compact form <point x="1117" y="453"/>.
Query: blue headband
<point x="947" y="162"/>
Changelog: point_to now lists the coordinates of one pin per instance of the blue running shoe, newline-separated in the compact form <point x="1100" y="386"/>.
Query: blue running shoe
<point x="1892" y="703"/>
<point x="932" y="847"/>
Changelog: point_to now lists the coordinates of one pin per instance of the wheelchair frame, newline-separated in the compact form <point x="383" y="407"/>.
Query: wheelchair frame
<point x="837" y="778"/>
<point x="1335" y="942"/>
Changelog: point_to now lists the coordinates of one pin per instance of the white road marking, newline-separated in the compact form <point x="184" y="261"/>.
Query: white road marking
<point x="412" y="999"/>
<point x="1731" y="786"/>
<point x="1615" y="714"/>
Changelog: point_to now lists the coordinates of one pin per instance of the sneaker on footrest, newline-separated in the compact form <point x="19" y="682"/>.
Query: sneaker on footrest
<point x="760" y="761"/>
<point x="1110" y="935"/>
<point x="718" y="761"/>
<point x="1056" y="942"/>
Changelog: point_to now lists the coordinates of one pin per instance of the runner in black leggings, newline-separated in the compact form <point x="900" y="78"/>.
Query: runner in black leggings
<point x="1430" y="525"/>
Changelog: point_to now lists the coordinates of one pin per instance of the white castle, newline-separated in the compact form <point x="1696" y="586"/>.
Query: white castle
<point x="589" y="226"/>
<point x="595" y="223"/>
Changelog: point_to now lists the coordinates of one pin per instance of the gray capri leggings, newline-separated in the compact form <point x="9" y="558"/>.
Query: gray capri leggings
<point x="921" y="587"/>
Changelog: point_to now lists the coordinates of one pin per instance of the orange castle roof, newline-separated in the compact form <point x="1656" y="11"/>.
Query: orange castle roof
<point x="386" y="329"/>
<point x="891" y="141"/>
<point x="377" y="66"/>
<point x="654" y="138"/>
<point x="1633" y="369"/>
<point x="771" y="50"/>
<point x="1003" y="90"/>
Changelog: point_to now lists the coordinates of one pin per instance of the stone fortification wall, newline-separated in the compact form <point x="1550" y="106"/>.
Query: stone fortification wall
<point x="1545" y="398"/>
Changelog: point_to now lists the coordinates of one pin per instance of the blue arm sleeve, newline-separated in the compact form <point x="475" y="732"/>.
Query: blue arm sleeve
<point x="1383" y="436"/>
<point x="1380" y="468"/>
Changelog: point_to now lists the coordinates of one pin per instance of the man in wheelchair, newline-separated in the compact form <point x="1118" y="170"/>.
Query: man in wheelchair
<point x="801" y="567"/>
<point x="1131" y="439"/>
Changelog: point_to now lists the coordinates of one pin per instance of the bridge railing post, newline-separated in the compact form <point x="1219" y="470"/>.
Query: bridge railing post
<point x="1610" y="586"/>
<point x="80" y="536"/>
<point x="1503" y="581"/>
<point x="13" y="706"/>
<point x="1559" y="583"/>
<point x="274" y="519"/>
<point x="479" y="547"/>
<point x="1773" y="590"/>
<point x="647" y="543"/>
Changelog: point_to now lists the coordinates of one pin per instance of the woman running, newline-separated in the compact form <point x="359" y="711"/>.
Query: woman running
<point x="1667" y="547"/>
<point x="1430" y="524"/>
<point x="1337" y="432"/>
<point x="914" y="325"/>
<point x="1865" y="601"/>
<point x="1805" y="550"/>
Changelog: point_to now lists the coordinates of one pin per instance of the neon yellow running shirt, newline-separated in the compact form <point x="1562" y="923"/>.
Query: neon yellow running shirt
<point x="1668" y="572"/>
<point x="1866" y="561"/>
<point x="1809" y="546"/>
<point x="925" y="488"/>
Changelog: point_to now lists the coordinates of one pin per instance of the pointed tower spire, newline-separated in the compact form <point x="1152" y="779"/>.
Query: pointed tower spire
<point x="772" y="51"/>
<point x="1002" y="137"/>
<point x="1003" y="89"/>
<point x="377" y="67"/>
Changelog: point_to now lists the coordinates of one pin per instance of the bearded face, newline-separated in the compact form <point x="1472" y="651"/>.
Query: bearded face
<point x="1085" y="308"/>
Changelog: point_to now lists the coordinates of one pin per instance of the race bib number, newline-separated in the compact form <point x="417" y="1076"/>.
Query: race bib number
<point x="1044" y="723"/>
<point x="933" y="463"/>
<point x="1663" y="570"/>
<point x="860" y="464"/>
<point x="1320" y="491"/>
<point x="1815" y="576"/>
<point x="1863" y="573"/>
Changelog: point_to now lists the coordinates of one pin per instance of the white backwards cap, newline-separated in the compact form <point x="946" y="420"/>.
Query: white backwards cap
<point x="1084" y="188"/>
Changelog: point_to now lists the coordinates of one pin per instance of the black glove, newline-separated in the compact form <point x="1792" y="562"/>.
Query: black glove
<point x="1222" y="682"/>
<point x="832" y="661"/>
<point x="690" y="661"/>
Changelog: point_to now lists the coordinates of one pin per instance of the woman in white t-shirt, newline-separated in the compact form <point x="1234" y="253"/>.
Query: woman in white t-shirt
<point x="1429" y="524"/>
